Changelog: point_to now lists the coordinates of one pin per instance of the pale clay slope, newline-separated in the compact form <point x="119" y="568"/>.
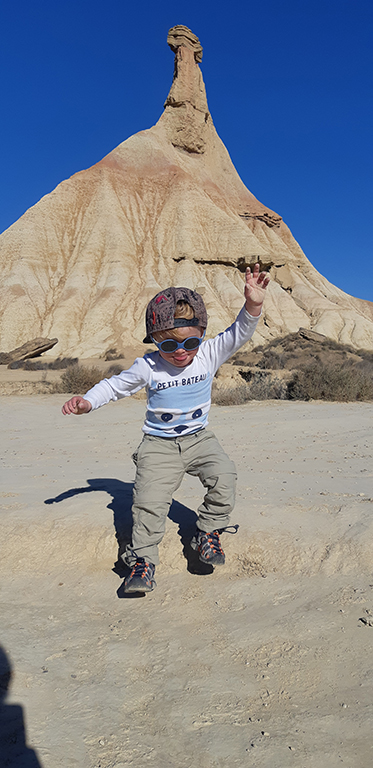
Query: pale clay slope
<point x="165" y="207"/>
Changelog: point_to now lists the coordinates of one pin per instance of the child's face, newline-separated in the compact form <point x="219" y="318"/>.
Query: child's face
<point x="181" y="357"/>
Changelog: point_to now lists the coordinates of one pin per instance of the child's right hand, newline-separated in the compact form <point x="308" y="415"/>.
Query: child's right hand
<point x="76" y="405"/>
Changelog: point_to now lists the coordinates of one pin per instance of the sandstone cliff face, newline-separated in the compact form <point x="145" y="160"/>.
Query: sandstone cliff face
<point x="166" y="207"/>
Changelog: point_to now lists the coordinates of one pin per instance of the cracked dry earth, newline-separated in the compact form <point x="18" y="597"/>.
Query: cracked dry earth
<point x="267" y="662"/>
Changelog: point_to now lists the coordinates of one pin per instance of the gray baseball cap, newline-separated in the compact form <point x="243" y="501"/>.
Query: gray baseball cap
<point x="161" y="310"/>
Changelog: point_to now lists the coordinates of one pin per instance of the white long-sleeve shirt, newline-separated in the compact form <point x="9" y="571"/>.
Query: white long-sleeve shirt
<point x="178" y="399"/>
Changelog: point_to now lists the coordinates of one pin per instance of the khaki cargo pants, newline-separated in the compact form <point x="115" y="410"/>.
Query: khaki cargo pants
<point x="161" y="465"/>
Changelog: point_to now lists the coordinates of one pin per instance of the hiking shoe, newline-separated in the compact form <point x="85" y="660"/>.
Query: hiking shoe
<point x="141" y="578"/>
<point x="209" y="547"/>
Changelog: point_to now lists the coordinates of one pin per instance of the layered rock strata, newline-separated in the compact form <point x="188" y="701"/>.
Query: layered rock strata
<point x="166" y="207"/>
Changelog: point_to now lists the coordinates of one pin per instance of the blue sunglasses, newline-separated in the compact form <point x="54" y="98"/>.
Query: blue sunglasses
<point x="170" y="345"/>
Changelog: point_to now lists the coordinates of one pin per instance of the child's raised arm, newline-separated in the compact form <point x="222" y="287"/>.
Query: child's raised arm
<point x="255" y="286"/>
<point x="76" y="405"/>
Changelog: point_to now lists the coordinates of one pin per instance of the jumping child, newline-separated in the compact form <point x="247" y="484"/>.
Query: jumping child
<point x="178" y="379"/>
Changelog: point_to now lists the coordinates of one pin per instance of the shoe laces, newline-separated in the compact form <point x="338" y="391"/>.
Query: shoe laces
<point x="213" y="536"/>
<point x="212" y="539"/>
<point x="142" y="568"/>
<point x="210" y="542"/>
<point x="229" y="529"/>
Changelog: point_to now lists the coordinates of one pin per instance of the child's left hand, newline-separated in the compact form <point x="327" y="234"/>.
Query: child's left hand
<point x="255" y="287"/>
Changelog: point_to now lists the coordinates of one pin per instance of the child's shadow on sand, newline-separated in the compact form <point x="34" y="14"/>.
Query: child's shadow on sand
<point x="121" y="503"/>
<point x="14" y="751"/>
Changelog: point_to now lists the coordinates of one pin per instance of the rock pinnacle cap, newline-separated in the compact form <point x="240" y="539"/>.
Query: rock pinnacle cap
<point x="161" y="310"/>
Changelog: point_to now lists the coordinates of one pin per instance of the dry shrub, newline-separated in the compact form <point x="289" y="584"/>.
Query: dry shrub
<point x="113" y="354"/>
<point x="321" y="369"/>
<point x="231" y="395"/>
<point x="38" y="364"/>
<point x="265" y="388"/>
<point x="272" y="360"/>
<point x="294" y="352"/>
<point x="264" y="385"/>
<point x="321" y="381"/>
<point x="261" y="388"/>
<point x="114" y="370"/>
<point x="78" y="378"/>
<point x="62" y="362"/>
<point x="366" y="366"/>
<point x="366" y="355"/>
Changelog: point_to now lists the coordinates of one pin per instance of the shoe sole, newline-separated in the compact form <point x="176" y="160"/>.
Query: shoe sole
<point x="218" y="560"/>
<point x="137" y="585"/>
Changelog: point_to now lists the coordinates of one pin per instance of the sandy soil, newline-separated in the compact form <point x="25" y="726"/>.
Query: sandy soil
<point x="266" y="662"/>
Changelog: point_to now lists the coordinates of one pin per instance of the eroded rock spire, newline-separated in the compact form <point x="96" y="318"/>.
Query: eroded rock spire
<point x="186" y="112"/>
<point x="181" y="35"/>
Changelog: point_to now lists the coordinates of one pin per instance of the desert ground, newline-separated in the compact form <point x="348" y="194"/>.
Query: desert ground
<point x="266" y="662"/>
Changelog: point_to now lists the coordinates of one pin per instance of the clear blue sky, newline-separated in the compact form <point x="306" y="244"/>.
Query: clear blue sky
<point x="289" y="86"/>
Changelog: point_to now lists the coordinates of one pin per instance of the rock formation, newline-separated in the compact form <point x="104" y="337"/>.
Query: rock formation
<point x="33" y="348"/>
<point x="165" y="207"/>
